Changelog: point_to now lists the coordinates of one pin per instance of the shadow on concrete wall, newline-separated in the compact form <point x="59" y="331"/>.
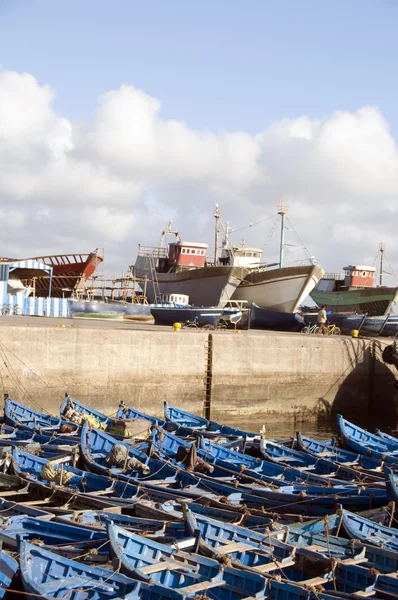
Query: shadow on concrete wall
<point x="367" y="395"/>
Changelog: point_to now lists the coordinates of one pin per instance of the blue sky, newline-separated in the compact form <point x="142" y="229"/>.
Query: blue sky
<point x="162" y="108"/>
<point x="221" y="64"/>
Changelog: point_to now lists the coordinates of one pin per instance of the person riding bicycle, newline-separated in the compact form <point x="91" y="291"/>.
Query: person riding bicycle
<point x="322" y="320"/>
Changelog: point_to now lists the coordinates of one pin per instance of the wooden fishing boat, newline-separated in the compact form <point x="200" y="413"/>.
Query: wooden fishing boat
<point x="9" y="509"/>
<point x="188" y="573"/>
<point x="49" y="575"/>
<point x="82" y="409"/>
<point x="186" y="419"/>
<point x="204" y="317"/>
<point x="244" y="548"/>
<point x="116" y="492"/>
<point x="386" y="436"/>
<point x="97" y="520"/>
<point x="96" y="450"/>
<point x="8" y="569"/>
<point x="317" y="471"/>
<point x="263" y="318"/>
<point x="359" y="528"/>
<point x="66" y="540"/>
<point x="319" y="449"/>
<point x="21" y="416"/>
<point x="362" y="441"/>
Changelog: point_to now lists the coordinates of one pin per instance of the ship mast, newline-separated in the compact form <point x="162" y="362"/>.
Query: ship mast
<point x="282" y="211"/>
<point x="217" y="218"/>
<point x="381" y="248"/>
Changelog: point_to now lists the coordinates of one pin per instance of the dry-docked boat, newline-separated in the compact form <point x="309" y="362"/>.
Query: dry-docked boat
<point x="279" y="288"/>
<point x="183" y="269"/>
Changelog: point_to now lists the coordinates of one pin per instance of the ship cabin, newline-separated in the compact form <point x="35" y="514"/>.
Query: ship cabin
<point x="240" y="256"/>
<point x="186" y="255"/>
<point x="359" y="276"/>
<point x="354" y="276"/>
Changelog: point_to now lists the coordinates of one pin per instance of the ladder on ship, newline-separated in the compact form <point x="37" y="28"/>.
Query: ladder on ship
<point x="154" y="277"/>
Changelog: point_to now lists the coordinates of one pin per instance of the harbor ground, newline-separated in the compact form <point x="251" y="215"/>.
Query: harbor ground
<point x="254" y="376"/>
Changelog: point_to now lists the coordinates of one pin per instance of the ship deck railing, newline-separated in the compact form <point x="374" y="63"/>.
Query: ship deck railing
<point x="334" y="276"/>
<point x="153" y="251"/>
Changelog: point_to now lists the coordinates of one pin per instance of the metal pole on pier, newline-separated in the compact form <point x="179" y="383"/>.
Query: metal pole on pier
<point x="282" y="211"/>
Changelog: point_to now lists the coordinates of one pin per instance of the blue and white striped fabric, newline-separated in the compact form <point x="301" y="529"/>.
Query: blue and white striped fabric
<point x="46" y="307"/>
<point x="30" y="264"/>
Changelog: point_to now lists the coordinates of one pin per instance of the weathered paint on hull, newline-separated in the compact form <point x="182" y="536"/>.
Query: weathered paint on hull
<point x="279" y="289"/>
<point x="93" y="309"/>
<point x="209" y="286"/>
<point x="373" y="301"/>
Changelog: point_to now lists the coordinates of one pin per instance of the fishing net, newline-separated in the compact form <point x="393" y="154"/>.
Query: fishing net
<point x="140" y="429"/>
<point x="55" y="474"/>
<point x="118" y="457"/>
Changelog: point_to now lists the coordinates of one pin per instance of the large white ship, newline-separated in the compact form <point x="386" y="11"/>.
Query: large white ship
<point x="281" y="288"/>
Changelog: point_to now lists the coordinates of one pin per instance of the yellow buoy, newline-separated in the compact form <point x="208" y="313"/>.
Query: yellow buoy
<point x="354" y="333"/>
<point x="176" y="326"/>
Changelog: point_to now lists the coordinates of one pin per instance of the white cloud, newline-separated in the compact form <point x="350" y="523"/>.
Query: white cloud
<point x="114" y="179"/>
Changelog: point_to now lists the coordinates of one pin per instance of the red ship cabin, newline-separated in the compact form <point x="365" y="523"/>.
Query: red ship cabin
<point x="359" y="276"/>
<point x="187" y="255"/>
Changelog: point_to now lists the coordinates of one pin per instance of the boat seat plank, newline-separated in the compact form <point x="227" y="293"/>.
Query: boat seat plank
<point x="201" y="586"/>
<point x="314" y="581"/>
<point x="166" y="565"/>
<point x="235" y="547"/>
<point x="273" y="565"/>
<point x="354" y="561"/>
<point x="363" y="593"/>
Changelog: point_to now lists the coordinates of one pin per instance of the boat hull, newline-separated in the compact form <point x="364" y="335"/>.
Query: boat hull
<point x="262" y="318"/>
<point x="373" y="301"/>
<point x="70" y="273"/>
<point x="94" y="309"/>
<point x="138" y="312"/>
<point x="279" y="289"/>
<point x="206" y="286"/>
<point x="204" y="316"/>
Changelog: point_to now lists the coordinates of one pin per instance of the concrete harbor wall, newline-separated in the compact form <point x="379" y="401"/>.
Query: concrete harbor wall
<point x="253" y="373"/>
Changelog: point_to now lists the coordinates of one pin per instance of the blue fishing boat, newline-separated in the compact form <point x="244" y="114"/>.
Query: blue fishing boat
<point x="98" y="519"/>
<point x="386" y="436"/>
<point x="103" y="454"/>
<point x="204" y="317"/>
<point x="67" y="540"/>
<point x="391" y="484"/>
<point x="359" y="528"/>
<point x="390" y="329"/>
<point x="49" y="575"/>
<point x="19" y="415"/>
<point x="188" y="573"/>
<point x="372" y="466"/>
<point x="244" y="547"/>
<point x="189" y="420"/>
<point x="362" y="441"/>
<point x="70" y="406"/>
<point x="10" y="509"/>
<point x="8" y="569"/>
<point x="97" y="309"/>
<point x="373" y="326"/>
<point x="263" y="318"/>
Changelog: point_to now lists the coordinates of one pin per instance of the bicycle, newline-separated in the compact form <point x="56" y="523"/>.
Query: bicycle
<point x="7" y="309"/>
<point x="330" y="329"/>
